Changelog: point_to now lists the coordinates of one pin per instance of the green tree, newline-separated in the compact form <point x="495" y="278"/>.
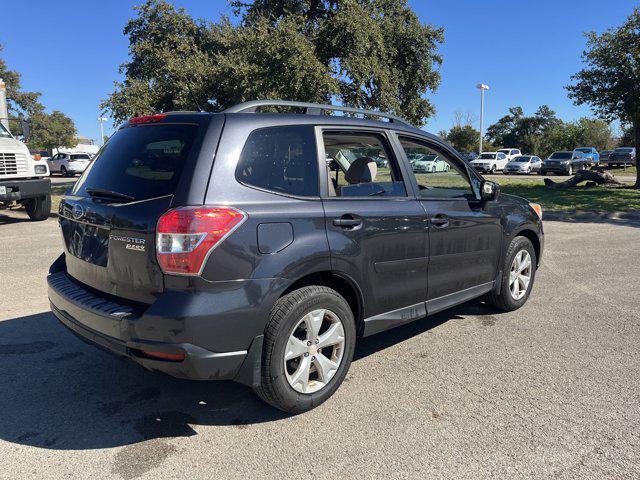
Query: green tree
<point x="364" y="53"/>
<point x="610" y="81"/>
<point x="50" y="131"/>
<point x="464" y="138"/>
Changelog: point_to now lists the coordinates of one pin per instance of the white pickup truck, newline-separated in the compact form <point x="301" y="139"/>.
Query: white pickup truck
<point x="23" y="179"/>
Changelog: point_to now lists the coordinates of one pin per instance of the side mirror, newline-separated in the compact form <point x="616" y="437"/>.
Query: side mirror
<point x="489" y="190"/>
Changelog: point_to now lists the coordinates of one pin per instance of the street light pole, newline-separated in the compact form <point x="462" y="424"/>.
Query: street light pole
<point x="482" y="87"/>
<point x="102" y="120"/>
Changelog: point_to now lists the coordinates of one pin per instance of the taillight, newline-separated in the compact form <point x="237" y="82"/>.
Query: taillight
<point x="186" y="236"/>
<point x="147" y="119"/>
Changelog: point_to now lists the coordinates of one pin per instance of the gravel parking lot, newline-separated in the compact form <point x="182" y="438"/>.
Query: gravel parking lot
<point x="549" y="391"/>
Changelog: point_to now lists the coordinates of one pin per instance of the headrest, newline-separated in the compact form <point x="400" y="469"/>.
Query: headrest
<point x="362" y="170"/>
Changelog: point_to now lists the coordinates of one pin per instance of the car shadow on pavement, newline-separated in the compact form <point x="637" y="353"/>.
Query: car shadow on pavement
<point x="57" y="392"/>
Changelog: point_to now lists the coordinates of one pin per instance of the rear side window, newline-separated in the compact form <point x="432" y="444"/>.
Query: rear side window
<point x="281" y="159"/>
<point x="142" y="162"/>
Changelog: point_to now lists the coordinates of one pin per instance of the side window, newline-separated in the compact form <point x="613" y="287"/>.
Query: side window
<point x="281" y="159"/>
<point x="437" y="175"/>
<point x="361" y="165"/>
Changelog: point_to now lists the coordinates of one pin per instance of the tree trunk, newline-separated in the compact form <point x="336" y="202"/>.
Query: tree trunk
<point x="636" y="131"/>
<point x="599" y="178"/>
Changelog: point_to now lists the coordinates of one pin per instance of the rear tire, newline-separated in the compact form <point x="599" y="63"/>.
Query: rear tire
<point x="284" y="321"/>
<point x="63" y="171"/>
<point x="503" y="299"/>
<point x="39" y="208"/>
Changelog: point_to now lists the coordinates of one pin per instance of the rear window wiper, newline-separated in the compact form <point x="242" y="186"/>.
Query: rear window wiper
<point x="99" y="192"/>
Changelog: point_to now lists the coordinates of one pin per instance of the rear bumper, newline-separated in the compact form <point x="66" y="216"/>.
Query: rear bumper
<point x="23" y="189"/>
<point x="127" y="333"/>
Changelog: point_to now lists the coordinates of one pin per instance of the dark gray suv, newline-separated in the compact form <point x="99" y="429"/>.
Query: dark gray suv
<point x="259" y="247"/>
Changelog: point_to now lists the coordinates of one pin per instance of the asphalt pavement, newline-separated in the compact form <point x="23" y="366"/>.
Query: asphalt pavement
<point x="549" y="391"/>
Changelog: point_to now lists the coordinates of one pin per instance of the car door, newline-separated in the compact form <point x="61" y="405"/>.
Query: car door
<point x="376" y="228"/>
<point x="501" y="161"/>
<point x="465" y="233"/>
<point x="52" y="163"/>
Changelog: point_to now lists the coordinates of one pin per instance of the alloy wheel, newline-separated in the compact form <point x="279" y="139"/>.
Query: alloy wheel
<point x="314" y="351"/>
<point x="520" y="274"/>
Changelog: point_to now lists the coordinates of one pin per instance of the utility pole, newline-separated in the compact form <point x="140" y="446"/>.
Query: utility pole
<point x="4" y="109"/>
<point x="482" y="87"/>
<point x="102" y="120"/>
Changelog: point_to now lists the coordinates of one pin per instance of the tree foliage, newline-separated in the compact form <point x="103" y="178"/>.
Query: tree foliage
<point x="363" y="53"/>
<point x="543" y="132"/>
<point x="50" y="131"/>
<point x="610" y="81"/>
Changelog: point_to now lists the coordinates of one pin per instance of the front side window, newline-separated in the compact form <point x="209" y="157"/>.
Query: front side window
<point x="281" y="159"/>
<point x="361" y="165"/>
<point x="444" y="178"/>
<point x="4" y="133"/>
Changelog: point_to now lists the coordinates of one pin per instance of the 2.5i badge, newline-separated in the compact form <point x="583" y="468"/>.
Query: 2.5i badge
<point x="131" y="243"/>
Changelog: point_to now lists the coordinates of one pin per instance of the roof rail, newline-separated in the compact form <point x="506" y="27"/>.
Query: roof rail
<point x="310" y="109"/>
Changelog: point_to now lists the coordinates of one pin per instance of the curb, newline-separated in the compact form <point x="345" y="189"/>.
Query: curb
<point x="587" y="215"/>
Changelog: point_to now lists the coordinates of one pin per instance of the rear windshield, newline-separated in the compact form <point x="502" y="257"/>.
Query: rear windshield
<point x="583" y="150"/>
<point x="142" y="162"/>
<point x="80" y="157"/>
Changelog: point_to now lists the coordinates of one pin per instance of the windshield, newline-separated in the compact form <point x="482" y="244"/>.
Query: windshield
<point x="487" y="156"/>
<point x="624" y="150"/>
<point x="428" y="158"/>
<point x="521" y="159"/>
<point x="561" y="155"/>
<point x="142" y="162"/>
<point x="505" y="150"/>
<point x="81" y="156"/>
<point x="4" y="133"/>
<point x="583" y="150"/>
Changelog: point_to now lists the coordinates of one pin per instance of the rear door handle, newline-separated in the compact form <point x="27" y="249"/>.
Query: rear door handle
<point x="347" y="221"/>
<point x="440" y="221"/>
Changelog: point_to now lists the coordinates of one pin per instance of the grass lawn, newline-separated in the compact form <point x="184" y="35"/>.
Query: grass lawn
<point x="623" y="172"/>
<point x="602" y="199"/>
<point x="56" y="194"/>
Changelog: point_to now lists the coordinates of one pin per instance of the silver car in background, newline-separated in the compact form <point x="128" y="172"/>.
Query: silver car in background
<point x="523" y="164"/>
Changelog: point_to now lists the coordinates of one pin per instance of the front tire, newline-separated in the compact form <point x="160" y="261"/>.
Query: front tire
<point x="39" y="208"/>
<point x="518" y="276"/>
<point x="308" y="347"/>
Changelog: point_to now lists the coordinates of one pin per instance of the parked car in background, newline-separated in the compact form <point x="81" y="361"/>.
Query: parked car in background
<point x="68" y="164"/>
<point x="469" y="156"/>
<point x="564" y="162"/>
<point x="430" y="164"/>
<point x="622" y="156"/>
<point x="490" y="162"/>
<point x="523" y="164"/>
<point x="23" y="178"/>
<point x="590" y="153"/>
<point x="182" y="264"/>
<point x="510" y="153"/>
<point x="604" y="155"/>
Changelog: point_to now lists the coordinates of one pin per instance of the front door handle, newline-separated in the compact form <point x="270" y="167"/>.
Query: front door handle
<point x="440" y="221"/>
<point x="347" y="222"/>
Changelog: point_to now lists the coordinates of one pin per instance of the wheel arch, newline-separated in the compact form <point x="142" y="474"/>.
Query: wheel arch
<point x="341" y="283"/>
<point x="528" y="231"/>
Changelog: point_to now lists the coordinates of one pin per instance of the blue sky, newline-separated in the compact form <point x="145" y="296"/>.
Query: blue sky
<point x="525" y="50"/>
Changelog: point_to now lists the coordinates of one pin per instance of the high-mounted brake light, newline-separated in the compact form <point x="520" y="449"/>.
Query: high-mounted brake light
<point x="186" y="236"/>
<point x="147" y="119"/>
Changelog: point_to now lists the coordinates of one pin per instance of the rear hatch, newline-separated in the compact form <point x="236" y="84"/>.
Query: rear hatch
<point x="109" y="218"/>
